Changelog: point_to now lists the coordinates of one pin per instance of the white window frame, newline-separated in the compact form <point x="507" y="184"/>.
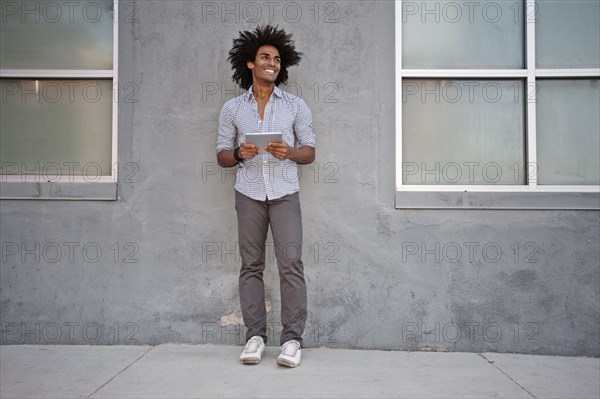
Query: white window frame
<point x="527" y="196"/>
<point x="71" y="187"/>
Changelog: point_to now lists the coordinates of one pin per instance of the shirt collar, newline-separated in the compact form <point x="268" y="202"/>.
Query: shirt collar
<point x="276" y="90"/>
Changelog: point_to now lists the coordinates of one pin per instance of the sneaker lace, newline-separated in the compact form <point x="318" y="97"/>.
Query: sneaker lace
<point x="253" y="344"/>
<point x="290" y="348"/>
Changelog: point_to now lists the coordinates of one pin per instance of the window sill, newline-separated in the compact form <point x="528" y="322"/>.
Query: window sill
<point x="100" y="191"/>
<point x="497" y="200"/>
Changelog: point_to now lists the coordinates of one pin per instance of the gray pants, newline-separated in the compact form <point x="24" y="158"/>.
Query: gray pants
<point x="254" y="217"/>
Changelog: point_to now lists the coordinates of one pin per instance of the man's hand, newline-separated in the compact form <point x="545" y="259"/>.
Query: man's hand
<point x="278" y="149"/>
<point x="247" y="151"/>
<point x="226" y="158"/>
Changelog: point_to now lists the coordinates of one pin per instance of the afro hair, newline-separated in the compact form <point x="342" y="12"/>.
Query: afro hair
<point x="246" y="46"/>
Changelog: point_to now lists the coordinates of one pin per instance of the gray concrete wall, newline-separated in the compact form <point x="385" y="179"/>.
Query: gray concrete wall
<point x="378" y="277"/>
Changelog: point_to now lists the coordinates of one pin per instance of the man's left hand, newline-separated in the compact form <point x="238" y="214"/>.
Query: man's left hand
<point x="278" y="149"/>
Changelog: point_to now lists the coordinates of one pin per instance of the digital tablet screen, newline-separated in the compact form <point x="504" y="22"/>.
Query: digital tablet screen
<point x="260" y="140"/>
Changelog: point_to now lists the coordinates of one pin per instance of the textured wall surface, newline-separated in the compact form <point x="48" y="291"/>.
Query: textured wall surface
<point x="161" y="264"/>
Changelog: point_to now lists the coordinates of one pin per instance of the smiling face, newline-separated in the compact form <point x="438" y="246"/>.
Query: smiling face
<point x="266" y="65"/>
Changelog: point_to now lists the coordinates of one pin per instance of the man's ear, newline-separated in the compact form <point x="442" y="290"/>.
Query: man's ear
<point x="250" y="64"/>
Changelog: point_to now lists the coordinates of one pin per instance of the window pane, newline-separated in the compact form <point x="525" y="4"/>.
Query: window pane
<point x="567" y="34"/>
<point x="449" y="34"/>
<point x="462" y="132"/>
<point x="56" y="35"/>
<point x="568" y="132"/>
<point x="56" y="127"/>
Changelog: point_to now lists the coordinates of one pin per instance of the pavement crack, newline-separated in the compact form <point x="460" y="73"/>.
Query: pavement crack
<point x="507" y="376"/>
<point x="119" y="373"/>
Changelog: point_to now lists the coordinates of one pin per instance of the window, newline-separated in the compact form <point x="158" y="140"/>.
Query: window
<point x="58" y="67"/>
<point x="497" y="104"/>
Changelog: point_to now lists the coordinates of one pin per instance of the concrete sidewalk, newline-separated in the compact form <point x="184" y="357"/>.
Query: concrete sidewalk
<point x="198" y="371"/>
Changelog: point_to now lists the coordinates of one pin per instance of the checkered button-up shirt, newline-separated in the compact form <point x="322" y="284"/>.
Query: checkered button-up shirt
<point x="264" y="176"/>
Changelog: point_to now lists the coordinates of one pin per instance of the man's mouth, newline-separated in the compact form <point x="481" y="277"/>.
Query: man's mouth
<point x="270" y="71"/>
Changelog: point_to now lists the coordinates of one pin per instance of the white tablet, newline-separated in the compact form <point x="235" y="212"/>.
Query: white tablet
<point x="260" y="140"/>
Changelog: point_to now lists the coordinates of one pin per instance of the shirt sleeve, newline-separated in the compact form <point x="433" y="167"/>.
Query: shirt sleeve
<point x="303" y="126"/>
<point x="227" y="131"/>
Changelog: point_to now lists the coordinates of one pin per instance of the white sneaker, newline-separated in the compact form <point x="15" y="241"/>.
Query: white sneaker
<point x="290" y="354"/>
<point x="253" y="351"/>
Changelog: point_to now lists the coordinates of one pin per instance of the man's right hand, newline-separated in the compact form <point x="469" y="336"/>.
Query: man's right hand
<point x="247" y="151"/>
<point x="226" y="158"/>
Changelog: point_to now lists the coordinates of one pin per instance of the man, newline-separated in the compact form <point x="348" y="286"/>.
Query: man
<point x="266" y="188"/>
